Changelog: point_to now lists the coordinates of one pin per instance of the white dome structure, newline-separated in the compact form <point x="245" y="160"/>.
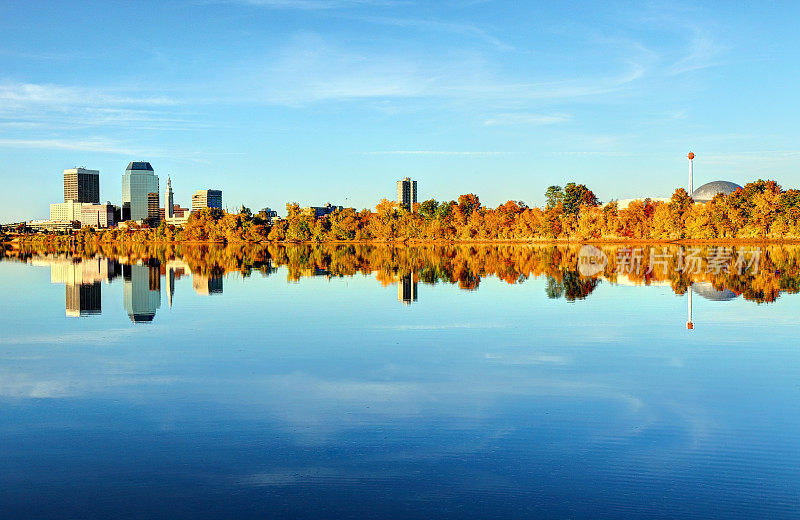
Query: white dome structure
<point x="708" y="191"/>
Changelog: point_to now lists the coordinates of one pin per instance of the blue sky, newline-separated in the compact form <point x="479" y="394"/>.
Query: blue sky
<point x="316" y="101"/>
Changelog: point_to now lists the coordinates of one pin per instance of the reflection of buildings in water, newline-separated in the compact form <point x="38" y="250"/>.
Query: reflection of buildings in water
<point x="314" y="271"/>
<point x="83" y="299"/>
<point x="172" y="271"/>
<point x="624" y="279"/>
<point x="206" y="285"/>
<point x="170" y="288"/>
<point x="707" y="291"/>
<point x="141" y="291"/>
<point x="81" y="278"/>
<point x="407" y="289"/>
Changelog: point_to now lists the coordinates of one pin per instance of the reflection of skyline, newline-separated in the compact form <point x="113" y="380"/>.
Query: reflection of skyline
<point x="460" y="265"/>
<point x="173" y="271"/>
<point x="81" y="279"/>
<point x="407" y="289"/>
<point x="83" y="299"/>
<point x="207" y="285"/>
<point x="141" y="291"/>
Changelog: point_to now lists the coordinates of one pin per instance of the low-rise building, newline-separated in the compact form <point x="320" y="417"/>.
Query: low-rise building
<point x="177" y="213"/>
<point x="53" y="225"/>
<point x="206" y="199"/>
<point x="99" y="215"/>
<point x="69" y="210"/>
<point x="178" y="220"/>
<point x="321" y="211"/>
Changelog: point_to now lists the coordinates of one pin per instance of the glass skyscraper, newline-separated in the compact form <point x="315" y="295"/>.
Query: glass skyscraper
<point x="138" y="182"/>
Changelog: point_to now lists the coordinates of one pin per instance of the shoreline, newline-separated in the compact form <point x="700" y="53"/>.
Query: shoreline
<point x="415" y="242"/>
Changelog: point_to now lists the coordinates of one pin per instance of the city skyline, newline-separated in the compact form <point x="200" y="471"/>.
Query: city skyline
<point x="492" y="94"/>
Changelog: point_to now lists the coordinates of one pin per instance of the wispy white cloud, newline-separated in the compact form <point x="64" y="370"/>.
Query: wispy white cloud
<point x="99" y="144"/>
<point x="526" y="119"/>
<point x="311" y="5"/>
<point x="702" y="51"/>
<point x="464" y="29"/>
<point x="25" y="94"/>
<point x="56" y="107"/>
<point x="435" y="152"/>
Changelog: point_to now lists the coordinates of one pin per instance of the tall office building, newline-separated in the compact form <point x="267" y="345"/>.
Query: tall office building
<point x="169" y="208"/>
<point x="82" y="185"/>
<point x="407" y="193"/>
<point x="138" y="182"/>
<point x="206" y="199"/>
<point x="153" y="211"/>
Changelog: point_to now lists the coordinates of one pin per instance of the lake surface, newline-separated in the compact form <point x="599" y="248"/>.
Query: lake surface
<point x="386" y="382"/>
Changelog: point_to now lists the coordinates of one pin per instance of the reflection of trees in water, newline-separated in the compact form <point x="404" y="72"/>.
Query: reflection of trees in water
<point x="571" y="286"/>
<point x="461" y="265"/>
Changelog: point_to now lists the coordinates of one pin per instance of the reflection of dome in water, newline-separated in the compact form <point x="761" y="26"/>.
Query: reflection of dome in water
<point x="707" y="291"/>
<point x="707" y="191"/>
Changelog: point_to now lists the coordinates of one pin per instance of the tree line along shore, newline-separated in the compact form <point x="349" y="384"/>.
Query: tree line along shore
<point x="762" y="210"/>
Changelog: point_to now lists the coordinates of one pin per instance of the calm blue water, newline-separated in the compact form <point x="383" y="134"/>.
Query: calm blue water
<point x="149" y="392"/>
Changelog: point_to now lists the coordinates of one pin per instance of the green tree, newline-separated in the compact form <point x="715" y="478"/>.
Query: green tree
<point x="429" y="208"/>
<point x="577" y="195"/>
<point x="553" y="196"/>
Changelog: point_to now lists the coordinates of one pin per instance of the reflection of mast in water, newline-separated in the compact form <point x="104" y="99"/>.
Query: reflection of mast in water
<point x="406" y="289"/>
<point x="710" y="293"/>
<point x="170" y="288"/>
